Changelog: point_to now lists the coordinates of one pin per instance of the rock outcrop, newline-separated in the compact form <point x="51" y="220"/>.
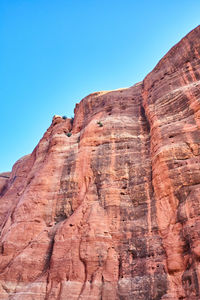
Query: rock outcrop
<point x="3" y="181"/>
<point x="107" y="206"/>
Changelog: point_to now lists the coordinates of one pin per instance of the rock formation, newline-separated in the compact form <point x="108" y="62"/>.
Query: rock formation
<point x="107" y="206"/>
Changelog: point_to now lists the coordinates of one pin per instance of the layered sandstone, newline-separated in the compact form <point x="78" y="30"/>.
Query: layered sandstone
<point x="112" y="210"/>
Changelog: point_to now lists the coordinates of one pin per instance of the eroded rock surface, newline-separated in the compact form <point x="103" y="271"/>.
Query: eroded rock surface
<point x="3" y="182"/>
<point x="107" y="206"/>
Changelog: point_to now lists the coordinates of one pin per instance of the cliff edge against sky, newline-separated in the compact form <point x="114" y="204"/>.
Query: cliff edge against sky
<point x="111" y="211"/>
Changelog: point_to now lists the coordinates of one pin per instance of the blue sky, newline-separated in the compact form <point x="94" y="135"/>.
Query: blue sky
<point x="54" y="53"/>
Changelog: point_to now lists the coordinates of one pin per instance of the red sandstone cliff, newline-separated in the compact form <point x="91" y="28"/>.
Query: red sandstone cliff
<point x="113" y="211"/>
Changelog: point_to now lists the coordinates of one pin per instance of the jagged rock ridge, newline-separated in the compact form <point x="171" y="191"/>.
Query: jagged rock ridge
<point x="112" y="211"/>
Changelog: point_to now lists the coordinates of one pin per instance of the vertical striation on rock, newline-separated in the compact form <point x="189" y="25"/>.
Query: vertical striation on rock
<point x="112" y="210"/>
<point x="172" y="101"/>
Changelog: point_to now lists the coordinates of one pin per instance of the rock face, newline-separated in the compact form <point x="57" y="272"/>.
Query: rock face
<point x="3" y="181"/>
<point x="111" y="211"/>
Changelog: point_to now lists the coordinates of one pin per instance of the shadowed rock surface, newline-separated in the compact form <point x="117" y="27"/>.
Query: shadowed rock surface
<point x="112" y="211"/>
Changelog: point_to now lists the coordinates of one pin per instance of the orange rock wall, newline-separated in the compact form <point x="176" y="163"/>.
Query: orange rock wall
<point x="112" y="211"/>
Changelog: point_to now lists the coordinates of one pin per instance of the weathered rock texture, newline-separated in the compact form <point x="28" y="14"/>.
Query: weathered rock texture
<point x="3" y="181"/>
<point x="112" y="211"/>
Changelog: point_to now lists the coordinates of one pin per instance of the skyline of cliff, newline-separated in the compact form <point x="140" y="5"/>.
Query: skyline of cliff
<point x="54" y="54"/>
<point x="107" y="205"/>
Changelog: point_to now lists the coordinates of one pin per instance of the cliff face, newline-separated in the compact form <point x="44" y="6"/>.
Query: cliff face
<point x="112" y="211"/>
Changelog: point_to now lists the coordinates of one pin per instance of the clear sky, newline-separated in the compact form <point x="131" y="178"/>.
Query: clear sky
<point x="55" y="52"/>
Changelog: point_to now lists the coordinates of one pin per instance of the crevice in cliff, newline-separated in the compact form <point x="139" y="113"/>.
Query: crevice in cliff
<point x="98" y="185"/>
<point x="97" y="164"/>
<point x="49" y="253"/>
<point x="47" y="265"/>
<point x="102" y="287"/>
<point x="120" y="267"/>
<point x="67" y="191"/>
<point x="4" y="190"/>
<point x="145" y="121"/>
